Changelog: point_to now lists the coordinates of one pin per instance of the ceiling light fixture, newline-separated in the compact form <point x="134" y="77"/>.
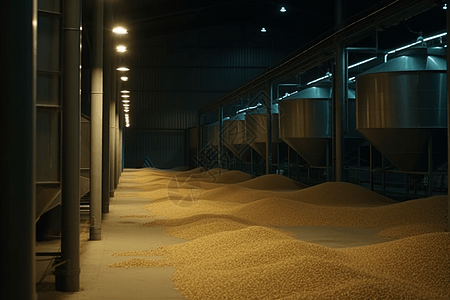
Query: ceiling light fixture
<point x="125" y="92"/>
<point x="126" y="105"/>
<point x="283" y="9"/>
<point x="263" y="29"/>
<point x="123" y="69"/>
<point x="121" y="48"/>
<point x="120" y="30"/>
<point x="445" y="6"/>
<point x="126" y="101"/>
<point x="125" y="96"/>
<point x="124" y="78"/>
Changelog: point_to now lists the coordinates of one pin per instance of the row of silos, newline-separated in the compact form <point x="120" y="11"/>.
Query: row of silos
<point x="400" y="107"/>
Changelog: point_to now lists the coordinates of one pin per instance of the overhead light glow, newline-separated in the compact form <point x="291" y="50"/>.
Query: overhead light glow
<point x="445" y="6"/>
<point x="126" y="110"/>
<point x="126" y="101"/>
<point x="249" y="108"/>
<point x="125" y="96"/>
<point x="125" y="92"/>
<point x="123" y="69"/>
<point x="415" y="43"/>
<point x="120" y="30"/>
<point x="124" y="78"/>
<point x="362" y="62"/>
<point x="321" y="78"/>
<point x="126" y="105"/>
<point x="283" y="9"/>
<point x="435" y="36"/>
<point x="121" y="48"/>
<point x="263" y="29"/>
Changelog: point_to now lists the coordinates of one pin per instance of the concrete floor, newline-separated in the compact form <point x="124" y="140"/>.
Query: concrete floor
<point x="99" y="282"/>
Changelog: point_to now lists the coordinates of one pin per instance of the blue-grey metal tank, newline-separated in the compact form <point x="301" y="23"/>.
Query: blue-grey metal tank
<point x="305" y="121"/>
<point x="256" y="130"/>
<point x="402" y="103"/>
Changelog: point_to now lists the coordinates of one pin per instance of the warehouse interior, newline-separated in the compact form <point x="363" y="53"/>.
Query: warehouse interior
<point x="229" y="149"/>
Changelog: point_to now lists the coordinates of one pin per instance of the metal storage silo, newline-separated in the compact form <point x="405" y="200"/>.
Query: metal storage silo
<point x="234" y="137"/>
<point x="256" y="130"/>
<point x="306" y="121"/>
<point x="402" y="107"/>
<point x="213" y="134"/>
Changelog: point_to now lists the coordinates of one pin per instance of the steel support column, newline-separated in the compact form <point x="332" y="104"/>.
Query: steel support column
<point x="112" y="124"/>
<point x="371" y="161"/>
<point x="67" y="276"/>
<point x="117" y="147"/>
<point x="96" y="122"/>
<point x="107" y="83"/>
<point x="121" y="130"/>
<point x="269" y="128"/>
<point x="339" y="94"/>
<point x="18" y="156"/>
<point x="448" y="117"/>
<point x="220" y="145"/>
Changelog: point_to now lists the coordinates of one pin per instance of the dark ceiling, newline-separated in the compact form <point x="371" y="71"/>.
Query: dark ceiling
<point x="307" y="19"/>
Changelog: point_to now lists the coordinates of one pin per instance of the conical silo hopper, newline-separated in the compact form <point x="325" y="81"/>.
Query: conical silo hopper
<point x="234" y="137"/>
<point x="213" y="135"/>
<point x="402" y="103"/>
<point x="256" y="131"/>
<point x="305" y="121"/>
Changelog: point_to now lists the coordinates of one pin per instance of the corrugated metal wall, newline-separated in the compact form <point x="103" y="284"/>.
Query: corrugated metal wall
<point x="173" y="76"/>
<point x="166" y="148"/>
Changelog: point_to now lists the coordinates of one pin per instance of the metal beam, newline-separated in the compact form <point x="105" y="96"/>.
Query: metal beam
<point x="322" y="51"/>
<point x="96" y="123"/>
<point x="68" y="275"/>
<point x="18" y="154"/>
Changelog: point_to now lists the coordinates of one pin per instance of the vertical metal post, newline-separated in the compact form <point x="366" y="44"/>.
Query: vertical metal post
<point x="121" y="130"/>
<point x="371" y="166"/>
<point x="117" y="144"/>
<point x="251" y="161"/>
<point x="383" y="175"/>
<point x="269" y="128"/>
<point x="106" y="106"/>
<point x="289" y="161"/>
<point x="339" y="93"/>
<point x="112" y="124"/>
<point x="358" y="180"/>
<point x="430" y="166"/>
<point x="67" y="276"/>
<point x="221" y="137"/>
<point x="199" y="140"/>
<point x="448" y="117"/>
<point x="18" y="156"/>
<point x="328" y="162"/>
<point x="96" y="123"/>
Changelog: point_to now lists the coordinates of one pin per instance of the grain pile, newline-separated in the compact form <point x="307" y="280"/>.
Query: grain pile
<point x="272" y="182"/>
<point x="260" y="263"/>
<point x="234" y="253"/>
